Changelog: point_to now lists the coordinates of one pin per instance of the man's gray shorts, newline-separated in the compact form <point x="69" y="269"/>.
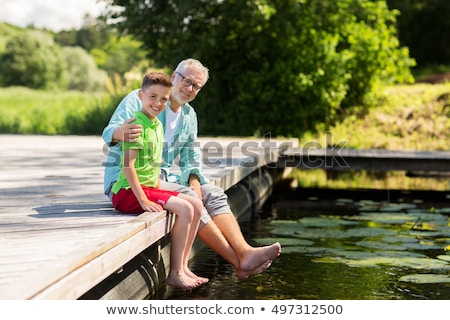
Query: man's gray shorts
<point x="215" y="201"/>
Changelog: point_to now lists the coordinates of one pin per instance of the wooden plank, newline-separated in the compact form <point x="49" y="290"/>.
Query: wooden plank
<point x="80" y="280"/>
<point x="53" y="269"/>
<point x="369" y="159"/>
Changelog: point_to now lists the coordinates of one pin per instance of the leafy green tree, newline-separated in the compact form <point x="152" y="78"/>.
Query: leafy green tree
<point x="121" y="53"/>
<point x="81" y="72"/>
<point x="32" y="59"/>
<point x="276" y="66"/>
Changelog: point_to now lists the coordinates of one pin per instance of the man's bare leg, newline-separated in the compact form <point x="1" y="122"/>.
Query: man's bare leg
<point x="213" y="238"/>
<point x="250" y="258"/>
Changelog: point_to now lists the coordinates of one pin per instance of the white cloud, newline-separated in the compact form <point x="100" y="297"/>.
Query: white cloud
<point x="56" y="15"/>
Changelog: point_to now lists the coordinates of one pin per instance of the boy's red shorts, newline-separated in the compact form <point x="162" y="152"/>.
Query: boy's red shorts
<point x="125" y="201"/>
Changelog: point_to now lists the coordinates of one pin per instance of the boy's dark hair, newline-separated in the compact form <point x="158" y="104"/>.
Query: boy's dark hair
<point x="152" y="78"/>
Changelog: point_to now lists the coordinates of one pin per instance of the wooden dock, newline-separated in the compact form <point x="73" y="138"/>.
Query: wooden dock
<point x="365" y="159"/>
<point x="60" y="236"/>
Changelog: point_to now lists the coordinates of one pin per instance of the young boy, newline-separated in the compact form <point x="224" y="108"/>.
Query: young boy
<point x="137" y="188"/>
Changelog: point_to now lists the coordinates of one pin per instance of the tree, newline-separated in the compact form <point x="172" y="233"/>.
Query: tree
<point x="32" y="59"/>
<point x="276" y="66"/>
<point x="81" y="72"/>
<point x="119" y="55"/>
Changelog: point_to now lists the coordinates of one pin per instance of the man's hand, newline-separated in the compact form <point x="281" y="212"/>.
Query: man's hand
<point x="127" y="132"/>
<point x="194" y="184"/>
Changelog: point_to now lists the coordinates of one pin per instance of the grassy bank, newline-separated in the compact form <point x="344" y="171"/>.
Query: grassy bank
<point x="27" y="111"/>
<point x="409" y="117"/>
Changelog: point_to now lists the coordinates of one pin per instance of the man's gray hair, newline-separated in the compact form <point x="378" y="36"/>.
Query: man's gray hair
<point x="183" y="65"/>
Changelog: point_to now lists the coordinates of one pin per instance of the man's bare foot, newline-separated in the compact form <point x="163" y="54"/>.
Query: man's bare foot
<point x="200" y="280"/>
<point x="245" y="274"/>
<point x="258" y="256"/>
<point x="181" y="280"/>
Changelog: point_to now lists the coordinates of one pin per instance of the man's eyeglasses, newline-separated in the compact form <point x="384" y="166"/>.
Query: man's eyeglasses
<point x="187" y="83"/>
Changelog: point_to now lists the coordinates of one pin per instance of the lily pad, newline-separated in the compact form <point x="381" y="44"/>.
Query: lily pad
<point x="396" y="254"/>
<point x="442" y="240"/>
<point x="285" y="241"/>
<point x="425" y="278"/>
<point x="443" y="210"/>
<point x="369" y="232"/>
<point x="444" y="257"/>
<point x="395" y="207"/>
<point x="304" y="250"/>
<point x="325" y="222"/>
<point x="385" y="218"/>
<point x="309" y="233"/>
<point x="379" y="245"/>
<point x="413" y="263"/>
<point x="399" y="239"/>
<point x="284" y="223"/>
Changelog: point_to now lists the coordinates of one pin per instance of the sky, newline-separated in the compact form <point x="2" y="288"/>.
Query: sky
<point x="55" y="15"/>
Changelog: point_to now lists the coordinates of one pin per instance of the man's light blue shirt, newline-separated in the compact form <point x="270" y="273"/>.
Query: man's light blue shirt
<point x="185" y="143"/>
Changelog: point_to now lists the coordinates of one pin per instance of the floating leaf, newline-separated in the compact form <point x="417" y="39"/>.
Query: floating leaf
<point x="425" y="278"/>
<point x="395" y="207"/>
<point x="414" y="263"/>
<point x="369" y="232"/>
<point x="399" y="239"/>
<point x="285" y="241"/>
<point x="386" y="218"/>
<point x="325" y="222"/>
<point x="304" y="250"/>
<point x="443" y="210"/>
<point x="381" y="245"/>
<point x="397" y="246"/>
<point x="419" y="226"/>
<point x="444" y="257"/>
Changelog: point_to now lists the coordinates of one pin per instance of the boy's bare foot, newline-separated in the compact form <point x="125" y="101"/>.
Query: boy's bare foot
<point x="259" y="256"/>
<point x="245" y="274"/>
<point x="181" y="280"/>
<point x="200" y="280"/>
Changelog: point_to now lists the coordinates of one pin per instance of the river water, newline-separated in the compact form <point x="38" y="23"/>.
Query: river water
<point x="340" y="245"/>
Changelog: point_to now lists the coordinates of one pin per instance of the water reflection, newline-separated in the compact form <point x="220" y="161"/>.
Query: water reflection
<point x="392" y="249"/>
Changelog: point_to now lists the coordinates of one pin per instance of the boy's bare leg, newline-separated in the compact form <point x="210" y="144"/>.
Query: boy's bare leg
<point x="179" y="236"/>
<point x="197" y="207"/>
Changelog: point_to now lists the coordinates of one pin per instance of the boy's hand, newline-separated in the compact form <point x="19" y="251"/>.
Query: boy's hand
<point x="151" y="206"/>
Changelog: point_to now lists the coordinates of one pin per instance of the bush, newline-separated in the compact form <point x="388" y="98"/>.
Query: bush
<point x="31" y="59"/>
<point x="81" y="72"/>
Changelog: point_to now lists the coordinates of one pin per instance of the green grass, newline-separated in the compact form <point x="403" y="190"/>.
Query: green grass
<point x="27" y="111"/>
